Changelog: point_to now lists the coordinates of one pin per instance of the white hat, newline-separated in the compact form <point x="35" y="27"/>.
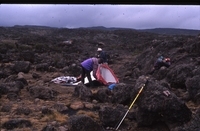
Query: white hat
<point x="99" y="49"/>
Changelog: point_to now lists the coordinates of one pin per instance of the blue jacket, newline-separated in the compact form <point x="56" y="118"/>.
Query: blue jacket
<point x="103" y="56"/>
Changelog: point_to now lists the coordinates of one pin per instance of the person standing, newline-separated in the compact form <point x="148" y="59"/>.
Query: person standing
<point x="102" y="54"/>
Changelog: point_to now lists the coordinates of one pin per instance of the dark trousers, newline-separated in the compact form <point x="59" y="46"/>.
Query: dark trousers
<point x="158" y="65"/>
<point x="87" y="74"/>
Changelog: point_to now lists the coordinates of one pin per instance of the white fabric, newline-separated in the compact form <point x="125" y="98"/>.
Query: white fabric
<point x="92" y="77"/>
<point x="65" y="79"/>
<point x="107" y="75"/>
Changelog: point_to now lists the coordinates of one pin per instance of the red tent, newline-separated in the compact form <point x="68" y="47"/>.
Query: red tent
<point x="106" y="75"/>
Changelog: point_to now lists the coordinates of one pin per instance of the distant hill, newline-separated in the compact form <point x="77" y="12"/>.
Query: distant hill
<point x="34" y="26"/>
<point x="172" y="31"/>
<point x="105" y="28"/>
<point x="166" y="31"/>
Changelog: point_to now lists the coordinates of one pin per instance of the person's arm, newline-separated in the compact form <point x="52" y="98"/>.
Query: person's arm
<point x="105" y="58"/>
<point x="166" y="64"/>
<point x="95" y="66"/>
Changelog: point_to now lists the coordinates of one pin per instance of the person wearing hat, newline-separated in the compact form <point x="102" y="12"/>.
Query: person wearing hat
<point x="161" y="61"/>
<point x="102" y="54"/>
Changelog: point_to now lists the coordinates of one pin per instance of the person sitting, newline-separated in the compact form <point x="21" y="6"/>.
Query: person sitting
<point x="161" y="61"/>
<point x="88" y="65"/>
<point x="102" y="54"/>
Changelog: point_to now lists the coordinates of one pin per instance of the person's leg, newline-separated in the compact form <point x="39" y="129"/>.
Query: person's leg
<point x="83" y="75"/>
<point x="166" y="64"/>
<point x="89" y="78"/>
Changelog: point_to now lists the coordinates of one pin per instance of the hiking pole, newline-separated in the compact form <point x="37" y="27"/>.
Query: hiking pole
<point x="131" y="106"/>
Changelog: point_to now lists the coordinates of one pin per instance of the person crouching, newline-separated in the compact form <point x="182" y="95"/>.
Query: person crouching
<point x="88" y="65"/>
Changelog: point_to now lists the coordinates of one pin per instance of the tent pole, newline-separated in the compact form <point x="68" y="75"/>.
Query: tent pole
<point x="131" y="105"/>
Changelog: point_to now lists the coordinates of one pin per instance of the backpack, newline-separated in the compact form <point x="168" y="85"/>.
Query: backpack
<point x="160" y="59"/>
<point x="105" y="55"/>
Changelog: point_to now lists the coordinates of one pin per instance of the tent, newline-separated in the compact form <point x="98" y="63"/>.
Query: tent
<point x="106" y="75"/>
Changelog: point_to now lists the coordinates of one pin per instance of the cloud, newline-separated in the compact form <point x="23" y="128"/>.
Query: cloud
<point x="77" y="15"/>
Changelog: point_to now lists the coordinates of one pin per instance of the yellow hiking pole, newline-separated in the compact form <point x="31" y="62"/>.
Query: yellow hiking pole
<point x="131" y="105"/>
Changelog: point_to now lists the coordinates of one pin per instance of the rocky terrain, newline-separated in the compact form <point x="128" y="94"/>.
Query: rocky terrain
<point x="30" y="57"/>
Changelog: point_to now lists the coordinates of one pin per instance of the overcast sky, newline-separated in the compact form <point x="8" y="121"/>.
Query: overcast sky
<point x="83" y="15"/>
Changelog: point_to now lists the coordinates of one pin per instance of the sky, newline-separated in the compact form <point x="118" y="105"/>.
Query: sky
<point x="107" y="15"/>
